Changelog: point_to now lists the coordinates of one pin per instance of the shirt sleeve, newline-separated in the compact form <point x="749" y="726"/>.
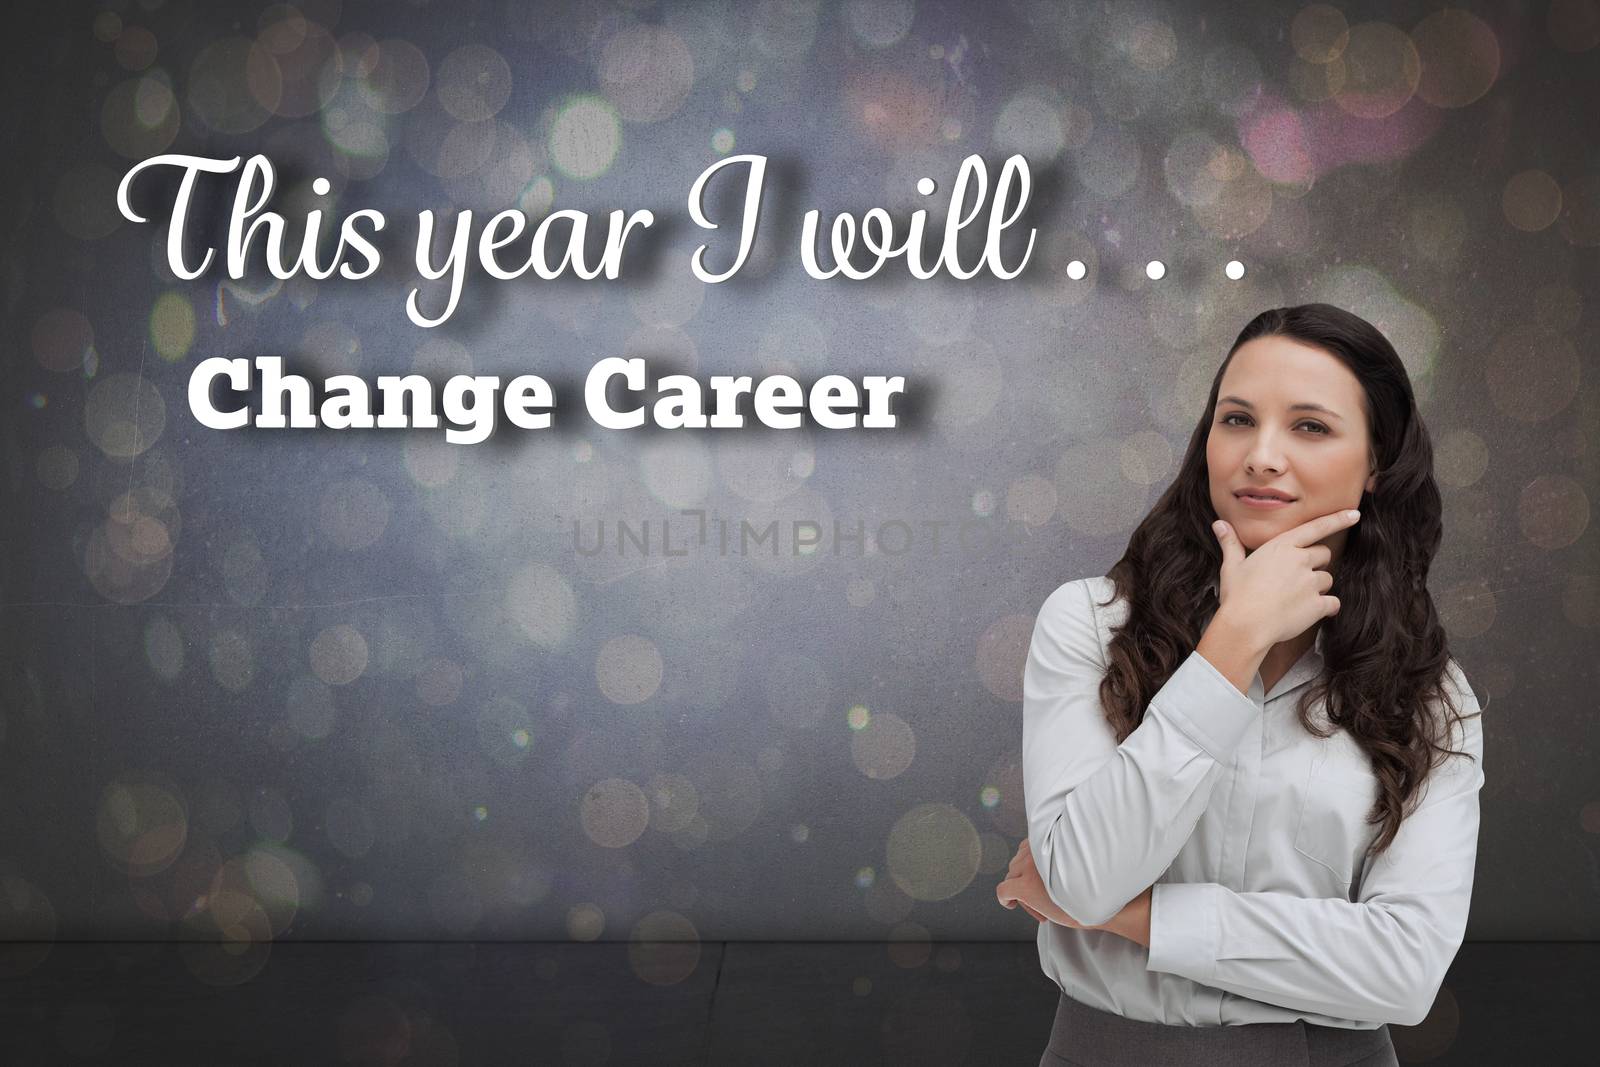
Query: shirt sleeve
<point x="1105" y="820"/>
<point x="1379" y="958"/>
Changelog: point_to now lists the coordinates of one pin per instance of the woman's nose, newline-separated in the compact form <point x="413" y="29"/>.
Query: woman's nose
<point x="1263" y="456"/>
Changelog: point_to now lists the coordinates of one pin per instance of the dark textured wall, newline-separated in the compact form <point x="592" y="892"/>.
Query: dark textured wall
<point x="260" y="685"/>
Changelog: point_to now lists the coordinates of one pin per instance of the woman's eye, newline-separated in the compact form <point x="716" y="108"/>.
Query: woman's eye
<point x="1227" y="420"/>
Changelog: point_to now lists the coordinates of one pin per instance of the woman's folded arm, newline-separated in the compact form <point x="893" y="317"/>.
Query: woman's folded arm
<point x="1379" y="958"/>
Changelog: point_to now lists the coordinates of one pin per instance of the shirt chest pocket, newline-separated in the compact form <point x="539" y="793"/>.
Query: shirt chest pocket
<point x="1331" y="827"/>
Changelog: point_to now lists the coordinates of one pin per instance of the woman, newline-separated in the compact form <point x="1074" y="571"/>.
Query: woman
<point x="1250" y="765"/>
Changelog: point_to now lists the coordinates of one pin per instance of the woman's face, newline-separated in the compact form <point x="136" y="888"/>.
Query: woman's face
<point x="1261" y="439"/>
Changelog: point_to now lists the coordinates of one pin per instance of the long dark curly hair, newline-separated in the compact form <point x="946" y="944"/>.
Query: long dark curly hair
<point x="1385" y="654"/>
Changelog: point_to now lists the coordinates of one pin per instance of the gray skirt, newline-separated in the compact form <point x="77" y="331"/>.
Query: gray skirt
<point x="1088" y="1037"/>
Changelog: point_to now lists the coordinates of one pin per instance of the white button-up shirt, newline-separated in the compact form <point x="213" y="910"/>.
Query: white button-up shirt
<point x="1252" y="832"/>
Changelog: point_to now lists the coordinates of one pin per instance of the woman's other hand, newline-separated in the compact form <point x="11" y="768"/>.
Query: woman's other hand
<point x="1023" y="886"/>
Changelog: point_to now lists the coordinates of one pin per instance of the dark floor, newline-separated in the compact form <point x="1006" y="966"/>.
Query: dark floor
<point x="832" y="1003"/>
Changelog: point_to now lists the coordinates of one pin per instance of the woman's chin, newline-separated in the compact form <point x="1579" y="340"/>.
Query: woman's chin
<point x="1257" y="529"/>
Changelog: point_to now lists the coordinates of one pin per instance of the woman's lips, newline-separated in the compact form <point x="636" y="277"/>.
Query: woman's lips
<point x="1264" y="503"/>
